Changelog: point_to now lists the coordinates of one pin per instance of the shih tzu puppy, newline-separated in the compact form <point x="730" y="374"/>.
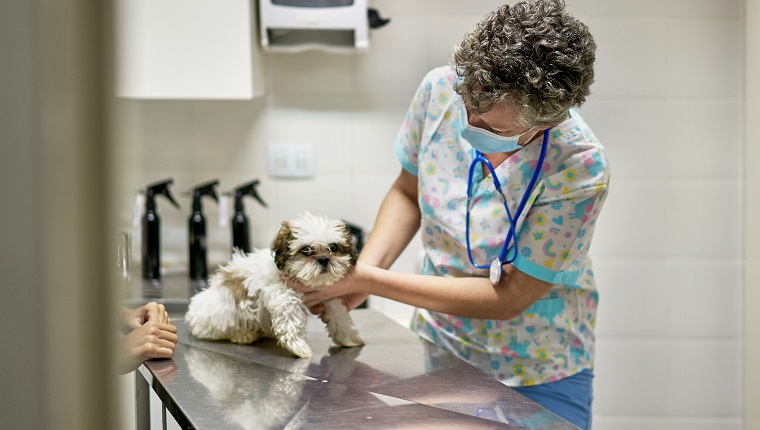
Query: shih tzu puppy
<point x="247" y="298"/>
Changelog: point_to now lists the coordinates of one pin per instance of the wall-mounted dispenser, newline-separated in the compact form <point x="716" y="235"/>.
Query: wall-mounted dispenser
<point x="328" y="25"/>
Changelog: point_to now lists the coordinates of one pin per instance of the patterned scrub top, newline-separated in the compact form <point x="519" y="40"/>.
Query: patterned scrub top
<point x="554" y="338"/>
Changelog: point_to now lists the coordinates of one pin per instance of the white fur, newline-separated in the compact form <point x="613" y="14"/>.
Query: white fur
<point x="247" y="299"/>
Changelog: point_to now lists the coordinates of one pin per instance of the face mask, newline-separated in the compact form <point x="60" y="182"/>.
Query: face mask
<point x="485" y="141"/>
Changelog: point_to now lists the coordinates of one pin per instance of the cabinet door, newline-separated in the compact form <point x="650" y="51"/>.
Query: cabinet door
<point x="184" y="49"/>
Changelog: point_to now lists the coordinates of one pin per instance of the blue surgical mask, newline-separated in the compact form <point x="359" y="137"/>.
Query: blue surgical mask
<point x="485" y="141"/>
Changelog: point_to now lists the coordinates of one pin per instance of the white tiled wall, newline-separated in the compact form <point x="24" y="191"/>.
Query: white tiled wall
<point x="667" y="103"/>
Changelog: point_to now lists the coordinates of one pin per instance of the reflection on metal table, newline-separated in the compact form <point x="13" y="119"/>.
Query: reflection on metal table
<point x="396" y="380"/>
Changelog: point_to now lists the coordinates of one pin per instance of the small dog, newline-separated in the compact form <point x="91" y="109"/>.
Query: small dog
<point x="247" y="299"/>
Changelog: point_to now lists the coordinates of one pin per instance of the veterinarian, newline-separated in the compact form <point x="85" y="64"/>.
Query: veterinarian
<point x="504" y="180"/>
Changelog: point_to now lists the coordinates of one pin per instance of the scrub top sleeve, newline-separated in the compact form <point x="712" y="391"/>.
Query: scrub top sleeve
<point x="554" y="241"/>
<point x="409" y="137"/>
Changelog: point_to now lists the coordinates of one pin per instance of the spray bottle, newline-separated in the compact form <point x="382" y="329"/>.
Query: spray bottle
<point x="197" y="231"/>
<point x="151" y="229"/>
<point x="241" y="238"/>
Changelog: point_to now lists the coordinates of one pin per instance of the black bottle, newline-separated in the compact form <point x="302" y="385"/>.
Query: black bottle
<point x="198" y="269"/>
<point x="241" y="237"/>
<point x="357" y="235"/>
<point x="151" y="229"/>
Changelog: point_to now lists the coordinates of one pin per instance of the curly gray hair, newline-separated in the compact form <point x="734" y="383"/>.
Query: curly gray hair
<point x="532" y="55"/>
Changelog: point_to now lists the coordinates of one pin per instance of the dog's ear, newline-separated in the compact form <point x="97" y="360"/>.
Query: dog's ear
<point x="350" y="248"/>
<point x="280" y="244"/>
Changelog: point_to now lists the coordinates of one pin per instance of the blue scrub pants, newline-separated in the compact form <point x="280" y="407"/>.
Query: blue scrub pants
<point x="569" y="398"/>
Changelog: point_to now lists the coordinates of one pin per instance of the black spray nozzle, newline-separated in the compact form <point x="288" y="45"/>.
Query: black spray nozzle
<point x="248" y="189"/>
<point x="375" y="20"/>
<point x="160" y="188"/>
<point x="206" y="189"/>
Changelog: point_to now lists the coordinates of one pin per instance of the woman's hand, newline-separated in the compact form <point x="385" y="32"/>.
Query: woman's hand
<point x="150" y="340"/>
<point x="134" y="318"/>
<point x="347" y="289"/>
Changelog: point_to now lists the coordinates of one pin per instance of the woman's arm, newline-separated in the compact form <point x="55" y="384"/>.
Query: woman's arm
<point x="465" y="297"/>
<point x="397" y="222"/>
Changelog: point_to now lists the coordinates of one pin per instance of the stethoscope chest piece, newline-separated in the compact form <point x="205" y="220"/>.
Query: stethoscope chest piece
<point x="495" y="272"/>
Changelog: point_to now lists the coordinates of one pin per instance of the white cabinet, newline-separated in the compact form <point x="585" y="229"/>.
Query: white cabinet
<point x="187" y="49"/>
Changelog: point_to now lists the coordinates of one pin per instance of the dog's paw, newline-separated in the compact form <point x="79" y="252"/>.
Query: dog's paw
<point x="298" y="346"/>
<point x="244" y="337"/>
<point x="348" y="338"/>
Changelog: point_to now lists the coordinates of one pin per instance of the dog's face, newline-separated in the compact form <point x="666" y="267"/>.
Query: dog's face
<point x="314" y="250"/>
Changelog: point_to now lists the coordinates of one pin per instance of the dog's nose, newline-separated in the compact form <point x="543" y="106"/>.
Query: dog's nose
<point x="323" y="261"/>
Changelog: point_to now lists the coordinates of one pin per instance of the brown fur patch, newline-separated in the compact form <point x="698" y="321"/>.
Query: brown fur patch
<point x="280" y="245"/>
<point x="235" y="285"/>
<point x="348" y="247"/>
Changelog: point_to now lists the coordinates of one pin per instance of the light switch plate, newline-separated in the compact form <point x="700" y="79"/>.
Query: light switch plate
<point x="291" y="160"/>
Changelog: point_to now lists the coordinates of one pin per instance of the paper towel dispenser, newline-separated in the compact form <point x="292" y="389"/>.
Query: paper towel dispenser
<point x="299" y="25"/>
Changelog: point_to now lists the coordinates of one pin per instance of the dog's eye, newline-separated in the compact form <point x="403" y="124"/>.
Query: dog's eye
<point x="307" y="250"/>
<point x="333" y="247"/>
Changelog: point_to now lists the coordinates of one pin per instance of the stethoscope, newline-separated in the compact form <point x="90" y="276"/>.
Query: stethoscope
<point x="495" y="268"/>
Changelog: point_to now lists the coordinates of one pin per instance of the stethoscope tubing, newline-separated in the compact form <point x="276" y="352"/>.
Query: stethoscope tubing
<point x="511" y="233"/>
